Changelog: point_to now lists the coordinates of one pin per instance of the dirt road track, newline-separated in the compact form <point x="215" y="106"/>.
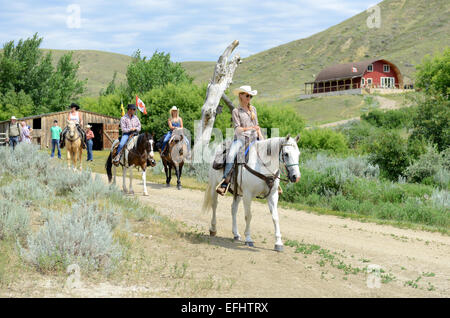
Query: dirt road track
<point x="403" y="254"/>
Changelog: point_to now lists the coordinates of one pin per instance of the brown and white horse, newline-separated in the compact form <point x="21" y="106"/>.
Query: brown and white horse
<point x="137" y="153"/>
<point x="73" y="145"/>
<point x="175" y="156"/>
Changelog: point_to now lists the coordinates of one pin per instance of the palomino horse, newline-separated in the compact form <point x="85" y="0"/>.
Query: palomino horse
<point x="175" y="156"/>
<point x="73" y="145"/>
<point x="260" y="176"/>
<point x="137" y="153"/>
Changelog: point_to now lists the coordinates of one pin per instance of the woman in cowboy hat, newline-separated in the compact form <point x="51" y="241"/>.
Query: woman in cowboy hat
<point x="246" y="128"/>
<point x="76" y="117"/>
<point x="175" y="121"/>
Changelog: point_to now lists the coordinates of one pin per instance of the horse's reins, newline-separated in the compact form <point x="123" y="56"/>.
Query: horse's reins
<point x="269" y="179"/>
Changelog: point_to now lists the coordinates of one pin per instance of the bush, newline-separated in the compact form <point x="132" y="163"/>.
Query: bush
<point x="326" y="139"/>
<point x="391" y="119"/>
<point x="350" y="166"/>
<point x="432" y="121"/>
<point x="14" y="220"/>
<point x="359" y="134"/>
<point x="389" y="152"/>
<point x="82" y="236"/>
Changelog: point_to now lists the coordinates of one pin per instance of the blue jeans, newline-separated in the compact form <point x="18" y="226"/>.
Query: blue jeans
<point x="13" y="141"/>
<point x="55" y="143"/>
<point x="166" y="140"/>
<point x="90" y="143"/>
<point x="123" y="141"/>
<point x="234" y="149"/>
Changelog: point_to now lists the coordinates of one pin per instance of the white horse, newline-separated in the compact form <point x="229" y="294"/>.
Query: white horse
<point x="262" y="164"/>
<point x="137" y="153"/>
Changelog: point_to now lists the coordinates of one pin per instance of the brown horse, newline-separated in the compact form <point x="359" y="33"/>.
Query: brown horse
<point x="138" y="152"/>
<point x="74" y="146"/>
<point x="175" y="155"/>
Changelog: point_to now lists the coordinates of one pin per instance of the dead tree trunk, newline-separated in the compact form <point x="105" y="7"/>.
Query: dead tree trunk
<point x="221" y="80"/>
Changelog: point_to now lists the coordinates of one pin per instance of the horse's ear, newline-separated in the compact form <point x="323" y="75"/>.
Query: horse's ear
<point x="288" y="136"/>
<point x="297" y="138"/>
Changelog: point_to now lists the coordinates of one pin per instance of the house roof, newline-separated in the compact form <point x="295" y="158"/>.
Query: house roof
<point x="57" y="113"/>
<point x="348" y="70"/>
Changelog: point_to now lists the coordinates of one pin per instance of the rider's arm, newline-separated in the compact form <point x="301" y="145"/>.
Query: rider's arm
<point x="80" y="116"/>
<point x="181" y="123"/>
<point x="138" y="128"/>
<point x="170" y="124"/>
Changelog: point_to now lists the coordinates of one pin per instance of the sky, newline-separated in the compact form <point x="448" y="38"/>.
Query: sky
<point x="190" y="30"/>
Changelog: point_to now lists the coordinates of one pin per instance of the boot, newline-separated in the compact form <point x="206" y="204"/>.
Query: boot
<point x="222" y="188"/>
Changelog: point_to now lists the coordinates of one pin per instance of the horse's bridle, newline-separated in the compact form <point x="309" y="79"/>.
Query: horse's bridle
<point x="276" y="175"/>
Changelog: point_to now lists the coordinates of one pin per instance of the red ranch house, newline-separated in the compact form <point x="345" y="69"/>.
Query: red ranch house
<point x="356" y="75"/>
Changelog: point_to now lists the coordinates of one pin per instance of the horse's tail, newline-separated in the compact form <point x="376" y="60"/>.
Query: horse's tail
<point x="210" y="197"/>
<point x="108" y="167"/>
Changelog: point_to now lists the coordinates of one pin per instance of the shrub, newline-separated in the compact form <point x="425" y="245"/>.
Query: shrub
<point x="82" y="236"/>
<point x="389" y="152"/>
<point x="325" y="139"/>
<point x="350" y="166"/>
<point x="427" y="165"/>
<point x="14" y="220"/>
<point x="432" y="121"/>
<point x="390" y="119"/>
<point x="359" y="134"/>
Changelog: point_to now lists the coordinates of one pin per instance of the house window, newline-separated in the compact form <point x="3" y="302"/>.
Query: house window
<point x="363" y="81"/>
<point x="386" y="68"/>
<point x="369" y="82"/>
<point x="370" y="68"/>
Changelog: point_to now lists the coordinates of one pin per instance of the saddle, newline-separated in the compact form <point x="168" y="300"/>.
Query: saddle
<point x="221" y="155"/>
<point x="125" y="147"/>
<point x="233" y="184"/>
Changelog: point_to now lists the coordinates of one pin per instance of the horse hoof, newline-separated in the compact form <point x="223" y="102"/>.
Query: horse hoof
<point x="179" y="187"/>
<point x="279" y="248"/>
<point x="131" y="192"/>
<point x="145" y="194"/>
<point x="167" y="184"/>
<point x="250" y="244"/>
<point x="237" y="238"/>
<point x="212" y="233"/>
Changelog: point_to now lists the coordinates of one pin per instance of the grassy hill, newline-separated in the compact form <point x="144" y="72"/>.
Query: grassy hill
<point x="97" y="66"/>
<point x="409" y="30"/>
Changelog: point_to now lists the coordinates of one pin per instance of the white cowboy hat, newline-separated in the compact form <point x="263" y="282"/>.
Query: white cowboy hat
<point x="88" y="126"/>
<point x="13" y="117"/>
<point x="172" y="109"/>
<point x="245" y="89"/>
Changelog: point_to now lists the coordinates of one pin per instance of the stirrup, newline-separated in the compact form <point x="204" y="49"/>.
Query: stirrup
<point x="219" y="186"/>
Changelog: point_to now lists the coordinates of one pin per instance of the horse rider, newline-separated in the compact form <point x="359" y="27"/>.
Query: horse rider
<point x="174" y="122"/>
<point x="246" y="128"/>
<point x="130" y="125"/>
<point x="75" y="116"/>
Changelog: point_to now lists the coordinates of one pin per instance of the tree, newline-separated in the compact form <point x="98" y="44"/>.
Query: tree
<point x="24" y="68"/>
<point x="433" y="74"/>
<point x="159" y="70"/>
<point x="432" y="121"/>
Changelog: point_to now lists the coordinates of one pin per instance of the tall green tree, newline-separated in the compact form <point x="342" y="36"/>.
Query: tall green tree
<point x="24" y="68"/>
<point x="144" y="74"/>
<point x="433" y="74"/>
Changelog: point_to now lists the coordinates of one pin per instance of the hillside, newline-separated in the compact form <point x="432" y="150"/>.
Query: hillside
<point x="409" y="30"/>
<point x="97" y="66"/>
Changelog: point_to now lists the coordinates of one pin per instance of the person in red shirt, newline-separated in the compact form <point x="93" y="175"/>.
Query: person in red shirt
<point x="90" y="142"/>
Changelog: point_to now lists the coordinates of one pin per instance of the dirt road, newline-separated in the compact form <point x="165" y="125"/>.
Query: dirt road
<point x="413" y="263"/>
